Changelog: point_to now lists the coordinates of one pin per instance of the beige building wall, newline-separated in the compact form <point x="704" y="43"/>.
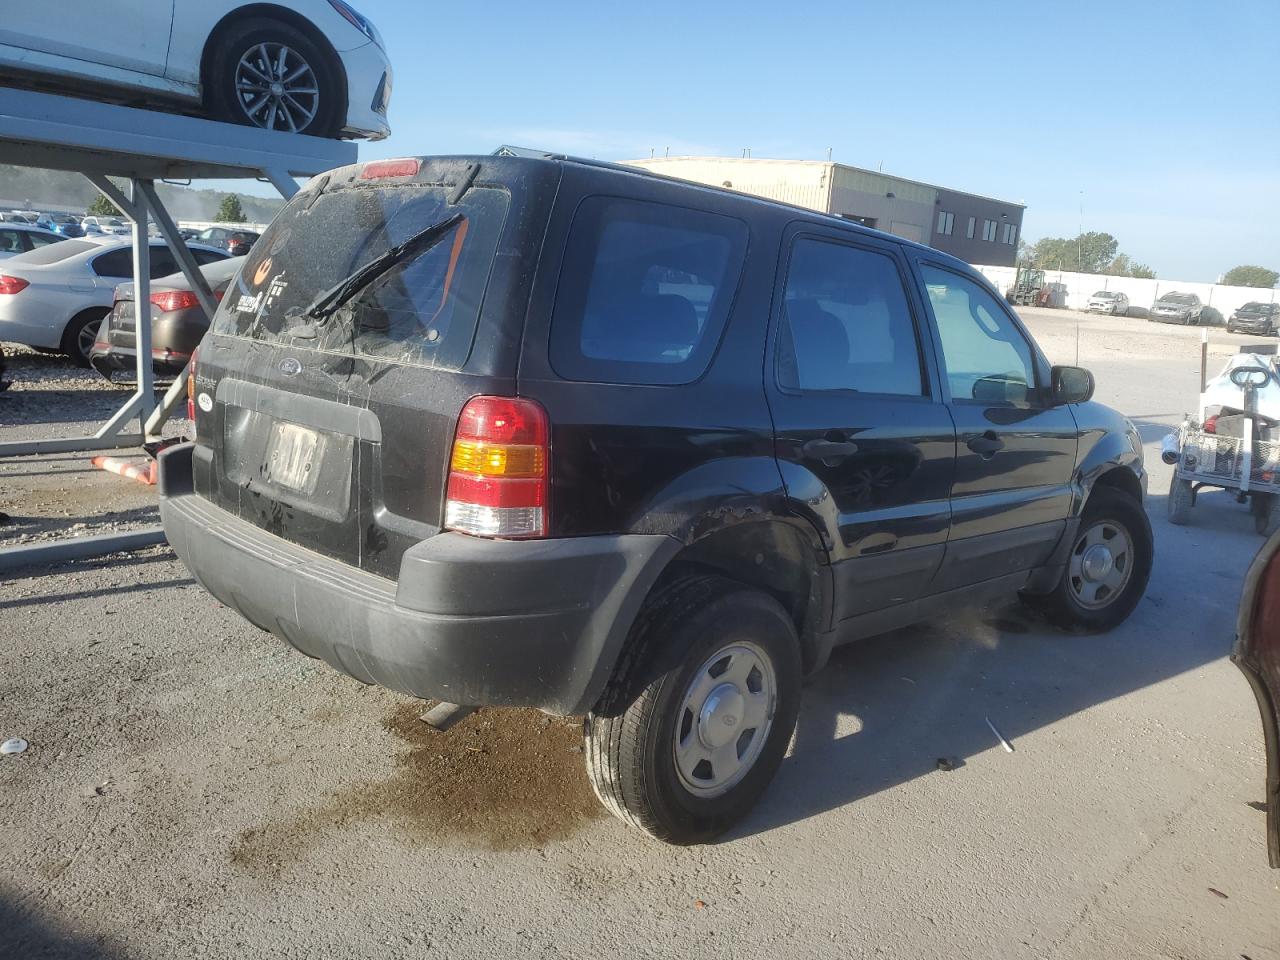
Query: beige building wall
<point x="805" y="183"/>
<point x="897" y="206"/>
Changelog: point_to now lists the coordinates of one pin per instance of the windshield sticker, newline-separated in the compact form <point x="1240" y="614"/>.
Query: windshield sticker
<point x="260" y="275"/>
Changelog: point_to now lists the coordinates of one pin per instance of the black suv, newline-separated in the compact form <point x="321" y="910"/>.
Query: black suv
<point x="1256" y="317"/>
<point x="548" y="432"/>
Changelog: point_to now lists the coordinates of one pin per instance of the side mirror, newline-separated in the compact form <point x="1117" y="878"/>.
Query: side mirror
<point x="1071" y="385"/>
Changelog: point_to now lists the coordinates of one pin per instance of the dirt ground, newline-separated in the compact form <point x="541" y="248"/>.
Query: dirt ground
<point x="194" y="789"/>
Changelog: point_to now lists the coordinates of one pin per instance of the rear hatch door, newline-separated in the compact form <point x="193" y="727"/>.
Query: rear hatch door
<point x="332" y="427"/>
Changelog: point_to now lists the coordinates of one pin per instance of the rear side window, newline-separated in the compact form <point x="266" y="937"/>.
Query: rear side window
<point x="644" y="292"/>
<point x="846" y="323"/>
<point x="117" y="263"/>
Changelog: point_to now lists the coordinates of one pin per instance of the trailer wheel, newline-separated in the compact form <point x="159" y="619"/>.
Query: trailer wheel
<point x="1181" y="499"/>
<point x="1265" y="508"/>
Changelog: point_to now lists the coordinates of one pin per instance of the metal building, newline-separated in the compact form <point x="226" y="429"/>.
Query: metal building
<point x="981" y="230"/>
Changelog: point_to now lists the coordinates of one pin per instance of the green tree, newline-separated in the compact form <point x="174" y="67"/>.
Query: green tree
<point x="230" y="211"/>
<point x="102" y="207"/>
<point x="1250" y="276"/>
<point x="1087" y="253"/>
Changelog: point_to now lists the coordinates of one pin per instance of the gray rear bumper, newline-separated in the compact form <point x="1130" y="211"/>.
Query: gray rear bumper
<point x="471" y="621"/>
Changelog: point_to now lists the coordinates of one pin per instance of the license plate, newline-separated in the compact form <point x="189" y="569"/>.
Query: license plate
<point x="293" y="457"/>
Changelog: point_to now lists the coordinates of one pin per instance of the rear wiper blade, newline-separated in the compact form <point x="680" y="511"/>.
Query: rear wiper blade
<point x="332" y="299"/>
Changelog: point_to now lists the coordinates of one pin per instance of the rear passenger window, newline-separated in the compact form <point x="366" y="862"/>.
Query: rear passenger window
<point x="846" y="324"/>
<point x="644" y="292"/>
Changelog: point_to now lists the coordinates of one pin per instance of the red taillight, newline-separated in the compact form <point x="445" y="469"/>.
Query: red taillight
<point x="168" y="300"/>
<point x="191" y="390"/>
<point x="12" y="284"/>
<point x="376" y="170"/>
<point x="1211" y="424"/>
<point x="499" y="469"/>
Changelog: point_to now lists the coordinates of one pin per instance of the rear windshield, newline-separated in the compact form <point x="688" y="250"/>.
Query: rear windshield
<point x="422" y="311"/>
<point x="56" y="252"/>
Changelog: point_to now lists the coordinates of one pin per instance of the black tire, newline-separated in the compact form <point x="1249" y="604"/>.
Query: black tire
<point x="220" y="97"/>
<point x="1106" y="507"/>
<point x="631" y="736"/>
<point x="1265" y="508"/>
<point x="1181" y="499"/>
<point x="78" y="337"/>
<point x="1230" y="328"/>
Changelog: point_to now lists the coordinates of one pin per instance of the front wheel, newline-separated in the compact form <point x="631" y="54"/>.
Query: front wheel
<point x="268" y="74"/>
<point x="696" y="720"/>
<point x="1182" y="498"/>
<point x="1108" y="567"/>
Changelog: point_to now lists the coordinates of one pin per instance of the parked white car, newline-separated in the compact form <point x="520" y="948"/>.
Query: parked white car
<point x="314" y="66"/>
<point x="55" y="297"/>
<point x="17" y="238"/>
<point x="111" y="226"/>
<point x="1108" y="301"/>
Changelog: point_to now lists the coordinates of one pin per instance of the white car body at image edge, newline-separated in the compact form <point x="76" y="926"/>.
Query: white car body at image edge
<point x="56" y="296"/>
<point x="211" y="53"/>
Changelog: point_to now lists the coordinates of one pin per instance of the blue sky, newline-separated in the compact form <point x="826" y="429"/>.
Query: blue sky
<point x="1162" y="118"/>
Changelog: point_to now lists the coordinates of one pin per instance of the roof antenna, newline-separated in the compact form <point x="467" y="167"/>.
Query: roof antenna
<point x="651" y="153"/>
<point x="880" y="169"/>
<point x="666" y="152"/>
<point x="828" y="154"/>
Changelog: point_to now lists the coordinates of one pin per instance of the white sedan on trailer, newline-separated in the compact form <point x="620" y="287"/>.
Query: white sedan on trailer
<point x="307" y="66"/>
<point x="55" y="297"/>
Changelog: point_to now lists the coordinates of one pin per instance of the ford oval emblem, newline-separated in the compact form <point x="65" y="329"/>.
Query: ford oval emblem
<point x="290" y="366"/>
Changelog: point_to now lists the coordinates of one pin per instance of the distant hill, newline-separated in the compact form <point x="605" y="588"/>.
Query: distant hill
<point x="23" y="186"/>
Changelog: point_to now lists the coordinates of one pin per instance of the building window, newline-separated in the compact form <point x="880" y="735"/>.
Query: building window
<point x="946" y="223"/>
<point x="973" y="222"/>
<point x="1011" y="233"/>
<point x="989" y="231"/>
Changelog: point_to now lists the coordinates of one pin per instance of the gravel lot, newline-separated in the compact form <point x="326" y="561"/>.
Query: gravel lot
<point x="194" y="789"/>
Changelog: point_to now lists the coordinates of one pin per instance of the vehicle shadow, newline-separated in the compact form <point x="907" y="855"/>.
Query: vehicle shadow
<point x="24" y="934"/>
<point x="887" y="709"/>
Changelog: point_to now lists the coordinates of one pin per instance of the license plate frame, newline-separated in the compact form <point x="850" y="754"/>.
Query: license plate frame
<point x="293" y="457"/>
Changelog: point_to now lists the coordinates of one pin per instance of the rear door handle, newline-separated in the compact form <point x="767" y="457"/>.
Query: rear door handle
<point x="829" y="450"/>
<point x="986" y="445"/>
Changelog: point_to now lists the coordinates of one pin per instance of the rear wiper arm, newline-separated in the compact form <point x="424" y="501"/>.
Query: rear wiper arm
<point x="332" y="299"/>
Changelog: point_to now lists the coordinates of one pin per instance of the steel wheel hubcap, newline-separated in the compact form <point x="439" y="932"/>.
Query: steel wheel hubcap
<point x="1101" y="564"/>
<point x="725" y="718"/>
<point x="276" y="88"/>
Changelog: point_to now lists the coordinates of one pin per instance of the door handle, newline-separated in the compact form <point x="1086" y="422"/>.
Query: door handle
<point x="986" y="445"/>
<point x="828" y="450"/>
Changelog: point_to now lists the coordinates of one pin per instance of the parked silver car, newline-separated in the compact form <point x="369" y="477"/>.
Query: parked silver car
<point x="1184" y="308"/>
<point x="1108" y="301"/>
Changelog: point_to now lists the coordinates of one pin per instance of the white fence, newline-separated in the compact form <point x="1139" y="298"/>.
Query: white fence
<point x="1141" y="293"/>
<point x="205" y="224"/>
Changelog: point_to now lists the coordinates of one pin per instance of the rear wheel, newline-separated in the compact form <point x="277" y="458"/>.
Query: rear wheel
<point x="1108" y="566"/>
<point x="264" y="73"/>
<point x="1181" y="500"/>
<point x="697" y="718"/>
<point x="79" y="336"/>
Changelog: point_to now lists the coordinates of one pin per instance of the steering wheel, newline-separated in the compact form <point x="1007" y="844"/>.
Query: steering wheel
<point x="1250" y="376"/>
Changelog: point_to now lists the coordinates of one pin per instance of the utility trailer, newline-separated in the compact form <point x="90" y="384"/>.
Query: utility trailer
<point x="1233" y="442"/>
